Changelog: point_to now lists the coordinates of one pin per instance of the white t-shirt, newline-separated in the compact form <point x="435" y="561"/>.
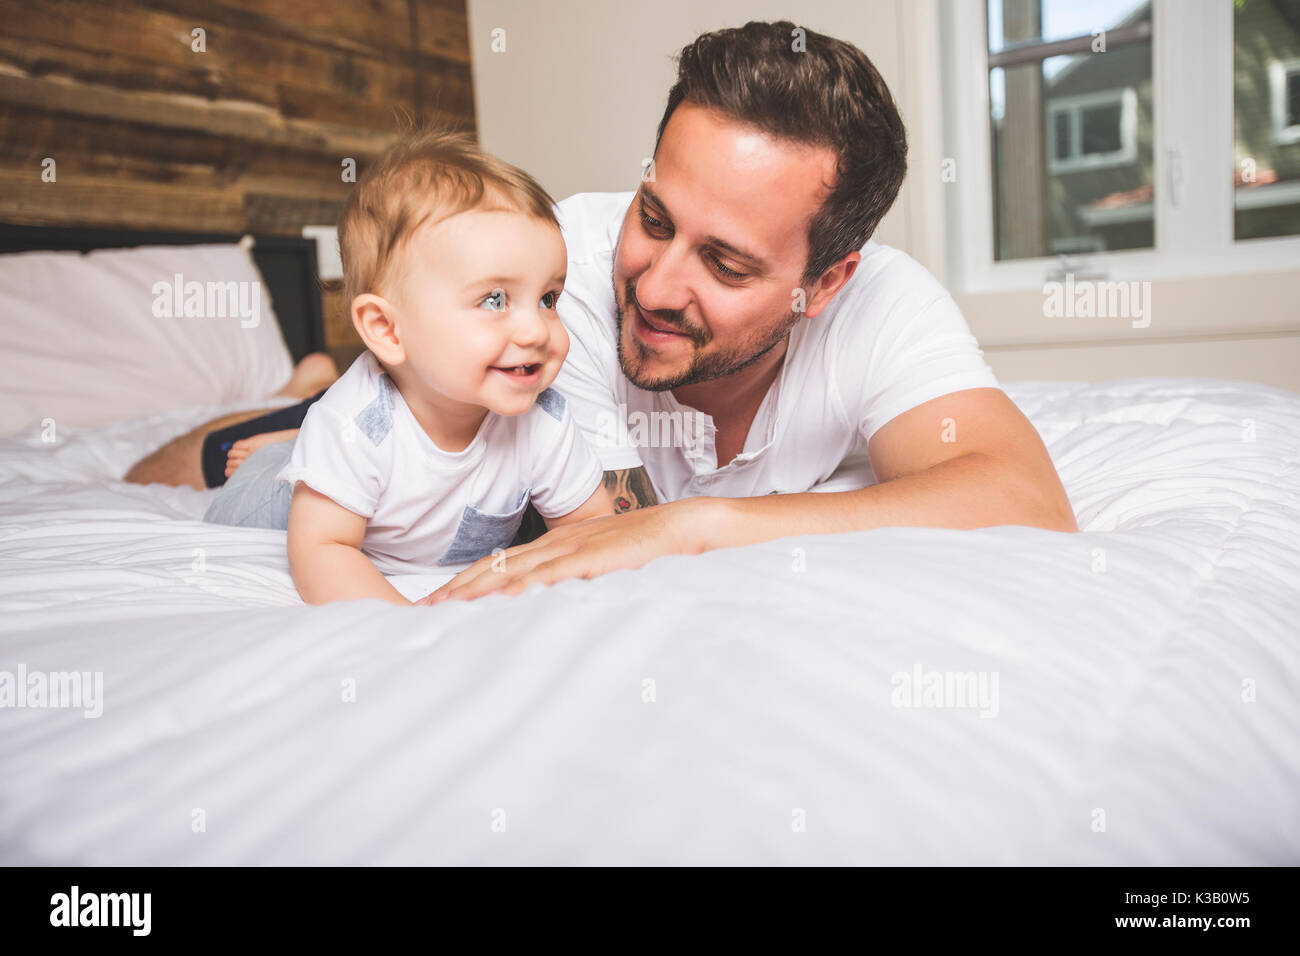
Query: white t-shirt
<point x="891" y="339"/>
<point x="361" y="446"/>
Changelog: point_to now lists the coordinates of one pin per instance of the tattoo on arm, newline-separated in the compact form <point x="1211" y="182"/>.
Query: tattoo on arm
<point x="631" y="489"/>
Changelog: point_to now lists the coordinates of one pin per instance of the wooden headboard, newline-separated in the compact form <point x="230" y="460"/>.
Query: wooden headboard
<point x="287" y="264"/>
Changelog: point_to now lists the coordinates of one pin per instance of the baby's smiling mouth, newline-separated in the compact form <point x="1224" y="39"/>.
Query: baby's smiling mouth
<point x="520" y="371"/>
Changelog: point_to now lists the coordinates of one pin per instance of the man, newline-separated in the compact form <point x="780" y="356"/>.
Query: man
<point x="736" y="335"/>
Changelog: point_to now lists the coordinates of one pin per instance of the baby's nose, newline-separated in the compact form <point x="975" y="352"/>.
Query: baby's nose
<point x="530" y="327"/>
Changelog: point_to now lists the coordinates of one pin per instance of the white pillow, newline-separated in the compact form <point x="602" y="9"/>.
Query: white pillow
<point x="100" y="337"/>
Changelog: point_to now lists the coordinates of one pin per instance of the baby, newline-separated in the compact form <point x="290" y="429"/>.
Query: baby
<point x="429" y="448"/>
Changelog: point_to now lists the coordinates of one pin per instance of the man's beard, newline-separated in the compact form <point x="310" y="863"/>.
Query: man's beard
<point x="703" y="367"/>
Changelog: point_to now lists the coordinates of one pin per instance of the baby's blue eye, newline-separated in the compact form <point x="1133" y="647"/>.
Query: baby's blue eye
<point x="496" y="301"/>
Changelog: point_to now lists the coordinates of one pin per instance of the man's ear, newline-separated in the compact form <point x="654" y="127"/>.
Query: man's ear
<point x="373" y="318"/>
<point x="831" y="282"/>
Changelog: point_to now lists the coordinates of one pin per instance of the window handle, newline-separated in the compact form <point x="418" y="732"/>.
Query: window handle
<point x="1081" y="269"/>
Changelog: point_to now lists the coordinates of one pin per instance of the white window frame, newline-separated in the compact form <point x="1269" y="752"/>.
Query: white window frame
<point x="1279" y="71"/>
<point x="1192" y="94"/>
<point x="1074" y="106"/>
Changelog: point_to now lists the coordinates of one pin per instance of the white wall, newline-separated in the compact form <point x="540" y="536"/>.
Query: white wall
<point x="1239" y="327"/>
<point x="578" y="93"/>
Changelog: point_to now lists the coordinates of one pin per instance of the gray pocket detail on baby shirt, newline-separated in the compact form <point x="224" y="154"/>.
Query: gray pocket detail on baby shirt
<point x="376" y="420"/>
<point x="552" y="402"/>
<point x="481" y="533"/>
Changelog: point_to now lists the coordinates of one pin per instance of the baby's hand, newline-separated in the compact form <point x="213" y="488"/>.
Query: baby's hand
<point x="427" y="600"/>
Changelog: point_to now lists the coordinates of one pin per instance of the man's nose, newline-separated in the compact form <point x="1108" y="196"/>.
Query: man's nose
<point x="662" y="287"/>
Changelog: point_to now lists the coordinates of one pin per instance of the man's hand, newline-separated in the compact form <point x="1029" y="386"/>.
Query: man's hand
<point x="585" y="550"/>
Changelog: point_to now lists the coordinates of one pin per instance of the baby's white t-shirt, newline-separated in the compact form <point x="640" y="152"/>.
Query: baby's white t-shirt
<point x="361" y="446"/>
<point x="891" y="339"/>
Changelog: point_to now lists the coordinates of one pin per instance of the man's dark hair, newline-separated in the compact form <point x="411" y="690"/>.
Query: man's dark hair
<point x="828" y="95"/>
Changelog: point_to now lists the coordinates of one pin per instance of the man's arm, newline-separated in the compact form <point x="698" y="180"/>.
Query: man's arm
<point x="631" y="489"/>
<point x="969" y="459"/>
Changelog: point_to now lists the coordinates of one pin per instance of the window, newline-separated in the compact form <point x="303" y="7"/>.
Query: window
<point x="1097" y="135"/>
<point x="1052" y="72"/>
<point x="1266" y="118"/>
<point x="1284" y="95"/>
<point x="1093" y="131"/>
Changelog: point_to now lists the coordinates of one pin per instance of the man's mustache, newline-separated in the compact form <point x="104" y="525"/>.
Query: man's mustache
<point x="670" y="320"/>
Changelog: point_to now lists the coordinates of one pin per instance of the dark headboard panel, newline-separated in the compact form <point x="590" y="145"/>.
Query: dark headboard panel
<point x="287" y="264"/>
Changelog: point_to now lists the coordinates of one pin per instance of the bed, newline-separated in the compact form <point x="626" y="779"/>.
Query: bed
<point x="1132" y="693"/>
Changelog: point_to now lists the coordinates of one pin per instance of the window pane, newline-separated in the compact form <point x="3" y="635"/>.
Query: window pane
<point x="1072" y="134"/>
<point x="1101" y="132"/>
<point x="1062" y="132"/>
<point x="1061" y="19"/>
<point x="1266" y="46"/>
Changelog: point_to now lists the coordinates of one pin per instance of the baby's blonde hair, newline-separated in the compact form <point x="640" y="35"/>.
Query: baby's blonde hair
<point x="428" y="175"/>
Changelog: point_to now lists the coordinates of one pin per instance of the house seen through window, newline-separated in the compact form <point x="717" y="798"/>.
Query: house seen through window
<point x="1266" y="120"/>
<point x="1071" y="99"/>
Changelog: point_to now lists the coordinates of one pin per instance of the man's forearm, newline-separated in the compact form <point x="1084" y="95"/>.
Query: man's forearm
<point x="970" y="491"/>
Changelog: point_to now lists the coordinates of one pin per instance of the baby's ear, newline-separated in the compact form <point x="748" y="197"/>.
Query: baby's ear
<point x="372" y="316"/>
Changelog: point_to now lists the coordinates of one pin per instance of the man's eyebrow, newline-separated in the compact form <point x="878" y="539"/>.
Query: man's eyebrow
<point x="728" y="247"/>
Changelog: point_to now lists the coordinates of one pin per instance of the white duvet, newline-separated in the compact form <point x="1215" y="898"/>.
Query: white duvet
<point x="1133" y="692"/>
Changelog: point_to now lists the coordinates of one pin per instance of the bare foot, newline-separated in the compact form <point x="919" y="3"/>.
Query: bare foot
<point x="241" y="449"/>
<point x="314" y="373"/>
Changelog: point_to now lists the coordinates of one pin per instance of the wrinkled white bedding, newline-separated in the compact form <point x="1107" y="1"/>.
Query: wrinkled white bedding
<point x="727" y="708"/>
